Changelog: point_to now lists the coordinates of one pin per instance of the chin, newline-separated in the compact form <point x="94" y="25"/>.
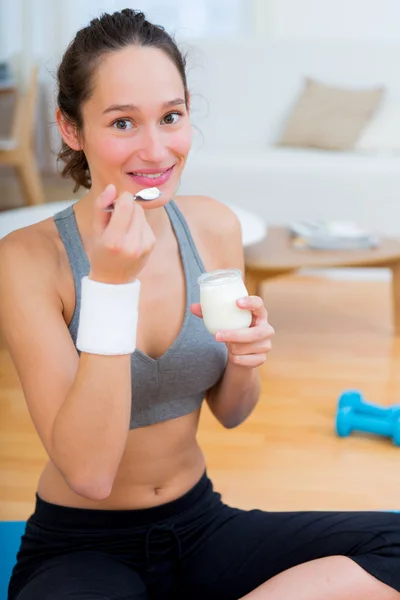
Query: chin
<point x="151" y="204"/>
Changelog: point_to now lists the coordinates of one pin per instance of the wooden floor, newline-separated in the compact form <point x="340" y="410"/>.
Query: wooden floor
<point x="330" y="335"/>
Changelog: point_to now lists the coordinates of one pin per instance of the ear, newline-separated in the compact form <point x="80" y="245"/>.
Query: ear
<point x="68" y="131"/>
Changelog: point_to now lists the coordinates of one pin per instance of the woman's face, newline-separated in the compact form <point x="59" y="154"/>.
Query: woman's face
<point x="137" y="131"/>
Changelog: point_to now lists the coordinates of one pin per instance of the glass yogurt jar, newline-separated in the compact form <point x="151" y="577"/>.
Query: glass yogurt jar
<point x="219" y="291"/>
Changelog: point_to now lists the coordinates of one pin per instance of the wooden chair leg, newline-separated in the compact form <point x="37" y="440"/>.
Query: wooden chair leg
<point x="395" y="268"/>
<point x="30" y="179"/>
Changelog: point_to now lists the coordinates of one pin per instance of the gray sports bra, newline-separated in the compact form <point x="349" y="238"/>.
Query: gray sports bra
<point x="174" y="384"/>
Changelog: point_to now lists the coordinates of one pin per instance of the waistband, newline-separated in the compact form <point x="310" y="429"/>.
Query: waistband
<point x="56" y="515"/>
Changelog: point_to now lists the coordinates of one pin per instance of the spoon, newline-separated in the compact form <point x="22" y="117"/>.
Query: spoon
<point x="144" y="195"/>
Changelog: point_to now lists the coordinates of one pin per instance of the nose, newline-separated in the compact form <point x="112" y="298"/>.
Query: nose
<point x="153" y="147"/>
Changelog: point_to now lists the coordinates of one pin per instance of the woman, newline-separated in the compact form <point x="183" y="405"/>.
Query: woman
<point x="124" y="508"/>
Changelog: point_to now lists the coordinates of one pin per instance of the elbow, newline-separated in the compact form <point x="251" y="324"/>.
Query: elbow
<point x="92" y="488"/>
<point x="87" y="480"/>
<point x="228" y="419"/>
<point x="233" y="418"/>
<point x="231" y="423"/>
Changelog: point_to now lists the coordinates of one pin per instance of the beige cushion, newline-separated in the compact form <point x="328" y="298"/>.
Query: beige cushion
<point x="328" y="117"/>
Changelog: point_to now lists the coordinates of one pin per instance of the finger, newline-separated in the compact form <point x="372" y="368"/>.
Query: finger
<point x="253" y="303"/>
<point x="148" y="239"/>
<point x="102" y="218"/>
<point x="196" y="310"/>
<point x="135" y="234"/>
<point x="251" y="360"/>
<point x="257" y="348"/>
<point x="246" y="336"/>
<point x="121" y="216"/>
<point x="140" y="236"/>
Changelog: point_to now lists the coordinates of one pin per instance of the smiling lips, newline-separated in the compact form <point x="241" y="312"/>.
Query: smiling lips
<point x="151" y="177"/>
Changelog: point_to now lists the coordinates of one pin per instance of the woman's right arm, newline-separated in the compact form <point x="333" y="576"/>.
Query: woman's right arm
<point x="80" y="406"/>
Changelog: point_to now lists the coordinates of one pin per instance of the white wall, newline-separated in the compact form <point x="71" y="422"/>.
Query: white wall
<point x="329" y="19"/>
<point x="43" y="26"/>
<point x="40" y="30"/>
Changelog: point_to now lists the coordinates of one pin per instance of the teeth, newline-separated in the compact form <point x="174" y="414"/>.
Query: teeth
<point x="150" y="175"/>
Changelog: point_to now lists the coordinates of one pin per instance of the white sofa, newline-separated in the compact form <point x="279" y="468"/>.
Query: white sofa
<point x="242" y="93"/>
<point x="254" y="229"/>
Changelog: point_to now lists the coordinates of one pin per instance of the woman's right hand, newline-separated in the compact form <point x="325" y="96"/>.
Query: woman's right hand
<point x="122" y="239"/>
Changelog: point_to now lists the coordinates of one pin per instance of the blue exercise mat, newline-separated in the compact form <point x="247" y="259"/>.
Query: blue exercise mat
<point x="10" y="539"/>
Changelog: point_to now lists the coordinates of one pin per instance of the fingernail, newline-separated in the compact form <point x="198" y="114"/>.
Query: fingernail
<point x="242" y="301"/>
<point x="219" y="337"/>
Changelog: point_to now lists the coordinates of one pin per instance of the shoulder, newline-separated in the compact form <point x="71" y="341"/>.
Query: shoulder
<point x="28" y="254"/>
<point x="33" y="241"/>
<point x="209" y="214"/>
<point x="215" y="228"/>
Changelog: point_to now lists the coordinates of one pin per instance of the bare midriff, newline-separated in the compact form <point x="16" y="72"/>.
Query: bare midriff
<point x="161" y="462"/>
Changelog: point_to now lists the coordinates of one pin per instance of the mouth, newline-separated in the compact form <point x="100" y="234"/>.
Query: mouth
<point x="151" y="177"/>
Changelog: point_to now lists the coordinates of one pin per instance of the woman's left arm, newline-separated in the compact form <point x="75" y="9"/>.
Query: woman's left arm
<point x="236" y="394"/>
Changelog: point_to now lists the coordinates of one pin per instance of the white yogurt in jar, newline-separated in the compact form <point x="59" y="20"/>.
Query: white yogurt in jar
<point x="219" y="291"/>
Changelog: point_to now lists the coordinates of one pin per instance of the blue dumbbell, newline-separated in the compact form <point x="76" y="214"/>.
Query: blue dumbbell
<point x="353" y="399"/>
<point x="348" y="420"/>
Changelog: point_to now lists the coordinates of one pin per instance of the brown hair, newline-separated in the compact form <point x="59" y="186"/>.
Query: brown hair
<point x="106" y="34"/>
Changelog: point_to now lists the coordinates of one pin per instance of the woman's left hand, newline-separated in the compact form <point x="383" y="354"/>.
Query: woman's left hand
<point x="247" y="347"/>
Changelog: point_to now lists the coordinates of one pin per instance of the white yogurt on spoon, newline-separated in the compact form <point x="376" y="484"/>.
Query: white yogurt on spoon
<point x="145" y="195"/>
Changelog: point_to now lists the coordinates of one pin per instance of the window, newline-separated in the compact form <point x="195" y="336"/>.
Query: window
<point x="187" y="18"/>
<point x="199" y="18"/>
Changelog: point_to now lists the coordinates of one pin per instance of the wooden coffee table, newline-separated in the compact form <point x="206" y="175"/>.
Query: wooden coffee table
<point x="275" y="256"/>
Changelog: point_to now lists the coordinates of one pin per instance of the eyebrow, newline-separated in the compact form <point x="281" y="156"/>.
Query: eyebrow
<point x="132" y="107"/>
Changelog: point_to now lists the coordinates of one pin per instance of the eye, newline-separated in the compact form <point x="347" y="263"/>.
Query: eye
<point x="122" y="124"/>
<point x="172" y="117"/>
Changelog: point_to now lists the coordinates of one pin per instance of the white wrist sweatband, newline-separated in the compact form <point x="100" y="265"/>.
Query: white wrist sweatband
<point x="108" y="317"/>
